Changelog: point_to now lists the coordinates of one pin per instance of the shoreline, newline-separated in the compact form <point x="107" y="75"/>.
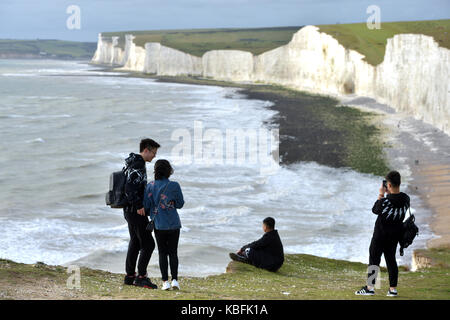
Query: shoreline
<point x="404" y="145"/>
<point x="423" y="152"/>
<point x="312" y="127"/>
<point x="411" y="145"/>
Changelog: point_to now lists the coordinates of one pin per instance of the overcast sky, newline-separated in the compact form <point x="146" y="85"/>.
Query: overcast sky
<point x="47" y="19"/>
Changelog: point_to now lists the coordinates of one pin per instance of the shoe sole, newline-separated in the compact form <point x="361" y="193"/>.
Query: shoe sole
<point x="235" y="257"/>
<point x="147" y="287"/>
<point x="175" y="288"/>
<point x="391" y="295"/>
<point x="144" y="286"/>
<point x="364" y="294"/>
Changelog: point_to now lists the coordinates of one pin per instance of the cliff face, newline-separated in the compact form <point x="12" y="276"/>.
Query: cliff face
<point x="229" y="65"/>
<point x="108" y="53"/>
<point x="162" y="60"/>
<point x="413" y="78"/>
<point x="133" y="58"/>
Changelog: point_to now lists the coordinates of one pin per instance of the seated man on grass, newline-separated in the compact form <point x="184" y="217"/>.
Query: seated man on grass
<point x="266" y="253"/>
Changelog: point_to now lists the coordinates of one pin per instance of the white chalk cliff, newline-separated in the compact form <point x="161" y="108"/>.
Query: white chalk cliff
<point x="162" y="60"/>
<point x="108" y="53"/>
<point x="413" y="78"/>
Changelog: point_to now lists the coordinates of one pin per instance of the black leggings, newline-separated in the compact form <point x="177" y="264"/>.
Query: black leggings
<point x="167" y="241"/>
<point x="142" y="244"/>
<point x="385" y="244"/>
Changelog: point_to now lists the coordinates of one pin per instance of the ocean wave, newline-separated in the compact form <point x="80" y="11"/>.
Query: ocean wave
<point x="37" y="140"/>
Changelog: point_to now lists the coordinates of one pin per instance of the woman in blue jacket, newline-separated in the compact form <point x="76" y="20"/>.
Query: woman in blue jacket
<point x="162" y="199"/>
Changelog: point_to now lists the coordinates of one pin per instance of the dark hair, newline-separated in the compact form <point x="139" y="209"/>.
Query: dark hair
<point x="394" y="178"/>
<point x="270" y="222"/>
<point x="163" y="169"/>
<point x="149" y="144"/>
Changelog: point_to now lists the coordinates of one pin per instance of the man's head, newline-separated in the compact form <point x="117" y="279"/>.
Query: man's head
<point x="148" y="149"/>
<point x="393" y="181"/>
<point x="268" y="224"/>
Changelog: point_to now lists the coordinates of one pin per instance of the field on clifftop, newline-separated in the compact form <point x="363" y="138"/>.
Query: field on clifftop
<point x="356" y="36"/>
<point x="301" y="277"/>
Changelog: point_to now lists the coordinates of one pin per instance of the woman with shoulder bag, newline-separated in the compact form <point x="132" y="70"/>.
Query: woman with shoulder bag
<point x="162" y="199"/>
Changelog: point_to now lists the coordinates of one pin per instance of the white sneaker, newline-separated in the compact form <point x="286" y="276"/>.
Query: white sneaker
<point x="166" y="285"/>
<point x="175" y="285"/>
<point x="393" y="293"/>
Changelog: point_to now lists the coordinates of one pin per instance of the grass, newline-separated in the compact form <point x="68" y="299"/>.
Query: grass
<point x="372" y="43"/>
<point x="198" y="41"/>
<point x="301" y="277"/>
<point x="355" y="36"/>
<point x="48" y="48"/>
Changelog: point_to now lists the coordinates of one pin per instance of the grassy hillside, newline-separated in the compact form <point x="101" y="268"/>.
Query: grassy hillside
<point x="372" y="43"/>
<point x="301" y="277"/>
<point x="357" y="36"/>
<point x="198" y="41"/>
<point x="47" y="49"/>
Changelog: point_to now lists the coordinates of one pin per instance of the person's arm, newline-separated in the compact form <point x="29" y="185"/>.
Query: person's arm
<point x="378" y="206"/>
<point x="148" y="200"/>
<point x="133" y="185"/>
<point x="258" y="244"/>
<point x="177" y="196"/>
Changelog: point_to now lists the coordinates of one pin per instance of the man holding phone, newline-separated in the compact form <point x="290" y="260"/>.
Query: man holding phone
<point x="391" y="210"/>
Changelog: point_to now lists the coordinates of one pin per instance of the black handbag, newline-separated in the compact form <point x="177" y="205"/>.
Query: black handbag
<point x="409" y="232"/>
<point x="151" y="224"/>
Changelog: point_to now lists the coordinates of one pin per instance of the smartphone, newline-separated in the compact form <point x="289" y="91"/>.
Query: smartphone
<point x="385" y="184"/>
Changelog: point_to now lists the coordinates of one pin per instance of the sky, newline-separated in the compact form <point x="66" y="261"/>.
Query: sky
<point x="48" y="19"/>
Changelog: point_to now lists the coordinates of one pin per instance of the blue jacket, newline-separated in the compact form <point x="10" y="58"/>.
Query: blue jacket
<point x="166" y="217"/>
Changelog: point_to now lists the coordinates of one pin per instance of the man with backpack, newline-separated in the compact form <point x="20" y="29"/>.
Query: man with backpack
<point x="391" y="210"/>
<point x="141" y="241"/>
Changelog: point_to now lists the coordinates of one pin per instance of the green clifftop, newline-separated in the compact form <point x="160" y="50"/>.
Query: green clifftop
<point x="301" y="277"/>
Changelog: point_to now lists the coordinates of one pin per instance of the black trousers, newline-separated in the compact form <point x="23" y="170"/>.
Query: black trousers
<point x="167" y="241"/>
<point x="141" y="244"/>
<point x="385" y="242"/>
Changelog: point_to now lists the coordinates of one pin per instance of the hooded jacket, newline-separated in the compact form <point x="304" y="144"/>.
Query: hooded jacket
<point x="136" y="174"/>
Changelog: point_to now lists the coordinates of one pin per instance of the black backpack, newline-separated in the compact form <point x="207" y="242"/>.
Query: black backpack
<point x="115" y="197"/>
<point x="409" y="232"/>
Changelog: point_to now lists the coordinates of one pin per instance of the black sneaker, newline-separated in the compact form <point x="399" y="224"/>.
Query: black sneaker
<point x="392" y="293"/>
<point x="364" y="291"/>
<point x="239" y="258"/>
<point x="129" y="280"/>
<point x="145" y="283"/>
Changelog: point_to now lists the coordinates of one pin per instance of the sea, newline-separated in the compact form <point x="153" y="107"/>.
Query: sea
<point x="65" y="126"/>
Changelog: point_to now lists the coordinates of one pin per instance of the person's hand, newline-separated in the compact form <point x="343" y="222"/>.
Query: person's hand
<point x="381" y="191"/>
<point x="141" y="212"/>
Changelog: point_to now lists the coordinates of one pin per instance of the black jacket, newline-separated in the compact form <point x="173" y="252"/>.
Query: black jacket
<point x="136" y="174"/>
<point x="267" y="252"/>
<point x="391" y="212"/>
